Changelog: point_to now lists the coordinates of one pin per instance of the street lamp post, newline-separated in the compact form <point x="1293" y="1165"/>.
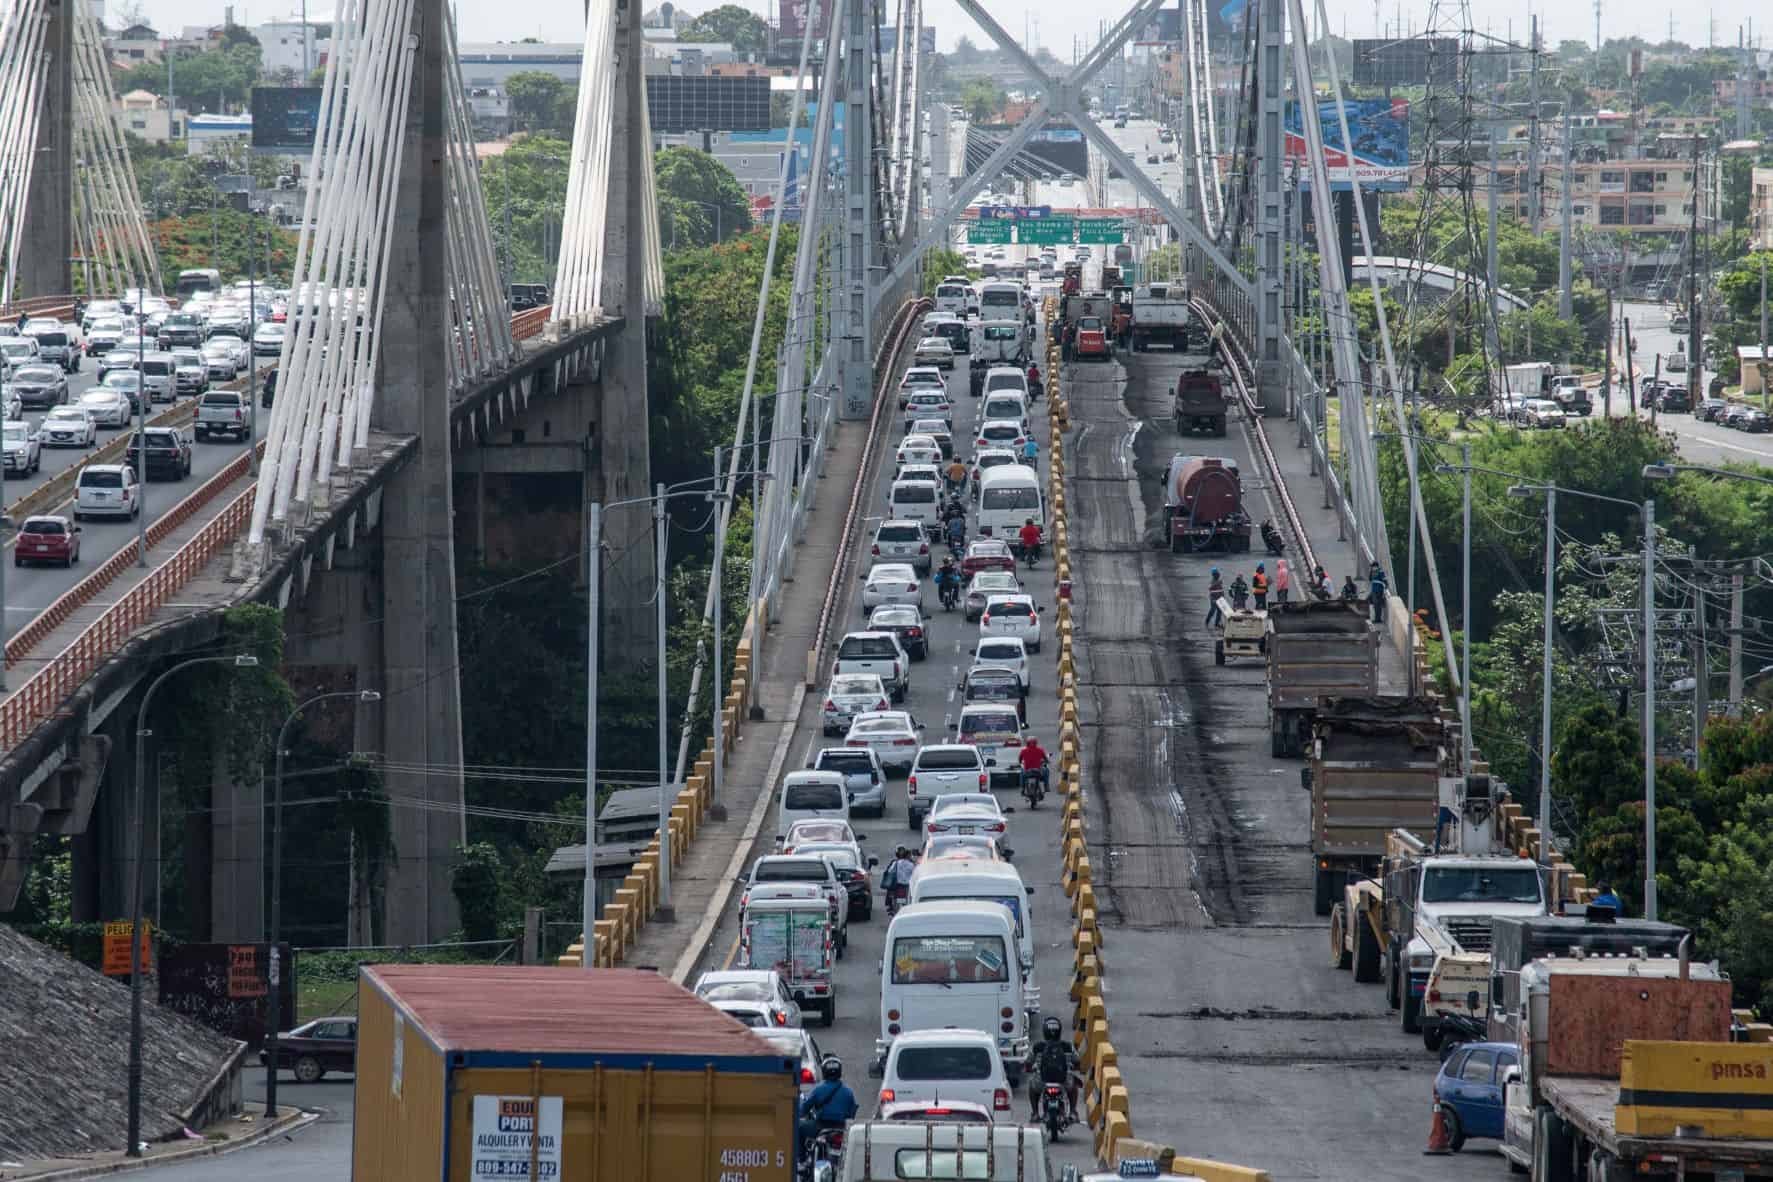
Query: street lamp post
<point x="142" y="734"/>
<point x="275" y="1017"/>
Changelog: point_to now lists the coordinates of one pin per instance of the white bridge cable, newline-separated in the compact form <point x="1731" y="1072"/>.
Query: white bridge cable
<point x="814" y="178"/>
<point x="1201" y="128"/>
<point x="23" y="66"/>
<point x="653" y="271"/>
<point x="578" y="289"/>
<point x="107" y="184"/>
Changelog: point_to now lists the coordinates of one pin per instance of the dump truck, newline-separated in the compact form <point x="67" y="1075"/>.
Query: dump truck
<point x="1375" y="765"/>
<point x="1315" y="651"/>
<point x="1626" y="1068"/>
<point x="470" y="1072"/>
<point x="1076" y="307"/>
<point x="1162" y="315"/>
<point x="1200" y="397"/>
<point x="1203" y="504"/>
<point x="1120" y="305"/>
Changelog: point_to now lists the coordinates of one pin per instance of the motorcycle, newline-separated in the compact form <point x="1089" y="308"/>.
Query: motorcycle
<point x="896" y="897"/>
<point x="1454" y="1029"/>
<point x="821" y="1157"/>
<point x="1053" y="1113"/>
<point x="950" y="595"/>
<point x="1030" y="554"/>
<point x="1271" y="538"/>
<point x="1034" y="785"/>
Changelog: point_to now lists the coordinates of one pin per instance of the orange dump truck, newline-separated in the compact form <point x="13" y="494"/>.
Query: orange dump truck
<point x="470" y="1072"/>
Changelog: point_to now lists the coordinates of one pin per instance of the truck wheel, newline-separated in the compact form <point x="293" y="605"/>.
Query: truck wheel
<point x="1339" y="954"/>
<point x="1219" y="426"/>
<point x="912" y="820"/>
<point x="1218" y="652"/>
<point x="1551" y="1148"/>
<point x="1366" y="952"/>
<point x="1412" y="1010"/>
<point x="1328" y="884"/>
<point x="1432" y="1037"/>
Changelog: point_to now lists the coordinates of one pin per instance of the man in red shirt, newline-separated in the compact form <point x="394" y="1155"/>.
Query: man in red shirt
<point x="1034" y="763"/>
<point x="1030" y="536"/>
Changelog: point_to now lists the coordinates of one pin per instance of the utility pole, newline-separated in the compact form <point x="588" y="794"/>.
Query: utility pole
<point x="1565" y="309"/>
<point x="1490" y="321"/>
<point x="593" y="593"/>
<point x="1761" y="361"/>
<point x="1533" y="127"/>
<point x="1736" y="644"/>
<point x="1649" y="726"/>
<point x="1607" y="370"/>
<point x="1695" y="364"/>
<point x="1631" y="389"/>
<point x="1701" y="670"/>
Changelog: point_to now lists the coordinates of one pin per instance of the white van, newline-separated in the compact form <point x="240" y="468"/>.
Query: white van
<point x="990" y="882"/>
<point x="811" y="794"/>
<point x="1008" y="497"/>
<point x="1004" y="404"/>
<point x="917" y="500"/>
<point x="1004" y="377"/>
<point x="954" y="965"/>
<point x="952" y="298"/>
<point x="901" y="1150"/>
<point x="999" y="301"/>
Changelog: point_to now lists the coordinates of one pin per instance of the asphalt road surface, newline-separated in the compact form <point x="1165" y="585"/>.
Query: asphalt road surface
<point x="321" y="1152"/>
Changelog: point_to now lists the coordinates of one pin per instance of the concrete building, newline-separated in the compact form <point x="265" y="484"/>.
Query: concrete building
<point x="134" y="46"/>
<point x="1760" y="207"/>
<point x="143" y="113"/>
<point x="491" y="63"/>
<point x="205" y="133"/>
<point x="490" y="108"/>
<point x="289" y="45"/>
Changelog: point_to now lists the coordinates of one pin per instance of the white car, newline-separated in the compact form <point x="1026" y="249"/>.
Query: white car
<point x="890" y="734"/>
<point x="936" y="429"/>
<point x="108" y="406"/>
<point x="902" y="541"/>
<point x="220" y="357"/>
<point x="23" y="449"/>
<point x="875" y="652"/>
<point x="938" y="847"/>
<point x="917" y="449"/>
<point x="934" y="1067"/>
<point x="820" y="831"/>
<point x="928" y="404"/>
<point x="983" y="586"/>
<point x="849" y="695"/>
<point x="1541" y="412"/>
<point x="966" y="814"/>
<point x="987" y="458"/>
<point x="107" y="490"/>
<point x="892" y="582"/>
<point x="942" y="769"/>
<point x="1012" y="615"/>
<point x="68" y="426"/>
<point x="796" y="1042"/>
<point x="1003" y="652"/>
<point x="267" y="339"/>
<point x="921" y="378"/>
<point x="756" y="985"/>
<point x="934" y="351"/>
<point x="995" y="728"/>
<point x="1006" y="433"/>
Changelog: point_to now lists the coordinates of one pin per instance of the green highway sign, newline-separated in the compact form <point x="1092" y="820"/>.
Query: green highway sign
<point x="1106" y="231"/>
<point x="991" y="232"/>
<point x="1046" y="231"/>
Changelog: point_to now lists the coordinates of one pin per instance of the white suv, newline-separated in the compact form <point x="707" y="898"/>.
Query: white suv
<point x="941" y="769"/>
<point x="1015" y="616"/>
<point x="928" y="1066"/>
<point x="1002" y="652"/>
<point x="107" y="490"/>
<point x="902" y="541"/>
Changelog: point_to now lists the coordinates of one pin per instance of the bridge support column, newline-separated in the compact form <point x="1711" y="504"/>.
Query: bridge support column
<point x="421" y="709"/>
<point x="627" y="467"/>
<point x="1271" y="25"/>
<point x="44" y="249"/>
<point x="236" y="856"/>
<point x="857" y="350"/>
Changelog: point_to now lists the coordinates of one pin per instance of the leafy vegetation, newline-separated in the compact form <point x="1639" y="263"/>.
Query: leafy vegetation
<point x="225" y="75"/>
<point x="731" y="24"/>
<point x="699" y="201"/>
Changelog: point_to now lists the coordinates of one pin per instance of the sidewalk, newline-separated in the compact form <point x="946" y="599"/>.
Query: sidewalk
<point x="703" y="881"/>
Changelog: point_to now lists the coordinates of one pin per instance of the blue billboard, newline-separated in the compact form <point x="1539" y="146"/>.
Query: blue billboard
<point x="1381" y="131"/>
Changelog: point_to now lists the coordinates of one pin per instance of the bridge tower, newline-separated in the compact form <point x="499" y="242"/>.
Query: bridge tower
<point x="48" y="242"/>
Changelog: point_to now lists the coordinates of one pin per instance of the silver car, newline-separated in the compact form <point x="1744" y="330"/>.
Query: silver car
<point x="892" y="582"/>
<point x="40" y="385"/>
<point x="863" y="776"/>
<point x="890" y="734"/>
<point x="108" y="406"/>
<point x="219" y="358"/>
<point x="848" y="695"/>
<point x="902" y="541"/>
<point x="942" y="769"/>
<point x="983" y="586"/>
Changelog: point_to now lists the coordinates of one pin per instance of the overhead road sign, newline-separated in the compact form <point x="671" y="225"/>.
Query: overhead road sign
<point x="1106" y="231"/>
<point x="989" y="232"/>
<point x="1053" y="231"/>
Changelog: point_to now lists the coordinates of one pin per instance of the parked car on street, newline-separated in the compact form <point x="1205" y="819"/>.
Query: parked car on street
<point x="1469" y="1087"/>
<point x="315" y="1048"/>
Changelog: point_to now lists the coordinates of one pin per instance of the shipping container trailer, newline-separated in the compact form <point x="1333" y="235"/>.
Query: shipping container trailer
<point x="628" y="1077"/>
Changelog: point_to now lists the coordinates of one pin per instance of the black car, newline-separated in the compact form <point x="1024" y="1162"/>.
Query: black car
<point x="169" y="454"/>
<point x="315" y="1048"/>
<point x="525" y="296"/>
<point x="907" y="624"/>
<point x="1710" y="410"/>
<point x="1673" y="400"/>
<point x="181" y="329"/>
<point x="1757" y="422"/>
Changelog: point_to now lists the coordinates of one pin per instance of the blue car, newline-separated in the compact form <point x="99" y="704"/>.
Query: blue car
<point x="1469" y="1089"/>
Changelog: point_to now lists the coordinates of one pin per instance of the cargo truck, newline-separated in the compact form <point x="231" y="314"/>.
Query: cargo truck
<point x="1161" y="315"/>
<point x="1315" y="651"/>
<point x="1626" y="1069"/>
<point x="1203" y="505"/>
<point x="470" y="1072"/>
<point x="1200" y="397"/>
<point x="1375" y="765"/>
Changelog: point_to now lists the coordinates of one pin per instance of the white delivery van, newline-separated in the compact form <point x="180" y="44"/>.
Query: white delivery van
<point x="1000" y="301"/>
<point x="952" y="298"/>
<point x="991" y="882"/>
<point x="1004" y="377"/>
<point x="917" y="500"/>
<point x="1004" y="404"/>
<point x="811" y="794"/>
<point x="953" y="965"/>
<point x="1008" y="497"/>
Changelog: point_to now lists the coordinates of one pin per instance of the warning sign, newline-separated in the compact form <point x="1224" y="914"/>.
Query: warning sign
<point x="504" y="1127"/>
<point x="244" y="977"/>
<point x="116" y="948"/>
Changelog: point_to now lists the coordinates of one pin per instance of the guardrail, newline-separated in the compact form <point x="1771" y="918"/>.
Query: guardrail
<point x="529" y="322"/>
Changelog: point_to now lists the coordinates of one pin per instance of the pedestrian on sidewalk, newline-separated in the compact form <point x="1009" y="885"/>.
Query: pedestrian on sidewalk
<point x="1376" y="591"/>
<point x="1215" y="590"/>
<point x="1259" y="587"/>
<point x="1283" y="581"/>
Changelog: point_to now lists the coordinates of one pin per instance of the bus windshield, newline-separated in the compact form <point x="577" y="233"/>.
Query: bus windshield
<point x="949" y="960"/>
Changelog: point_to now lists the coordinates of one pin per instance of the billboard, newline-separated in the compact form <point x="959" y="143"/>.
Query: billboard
<point x="678" y="103"/>
<point x="285" y="118"/>
<point x="794" y="16"/>
<point x="1404" y="63"/>
<point x="1226" y="20"/>
<point x="1381" y="131"/>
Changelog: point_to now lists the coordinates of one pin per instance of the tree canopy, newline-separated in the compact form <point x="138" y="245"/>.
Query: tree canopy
<point x="699" y="201"/>
<point x="205" y="81"/>
<point x="731" y="24"/>
<point x="541" y="103"/>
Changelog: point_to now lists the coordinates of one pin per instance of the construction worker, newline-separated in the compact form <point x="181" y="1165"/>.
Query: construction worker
<point x="1259" y="587"/>
<point x="1215" y="591"/>
<point x="1283" y="581"/>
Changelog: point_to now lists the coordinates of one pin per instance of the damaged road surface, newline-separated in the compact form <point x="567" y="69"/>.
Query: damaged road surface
<point x="1237" y="1037"/>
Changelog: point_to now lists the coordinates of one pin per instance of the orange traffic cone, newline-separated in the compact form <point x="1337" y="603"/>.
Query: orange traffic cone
<point x="1439" y="1140"/>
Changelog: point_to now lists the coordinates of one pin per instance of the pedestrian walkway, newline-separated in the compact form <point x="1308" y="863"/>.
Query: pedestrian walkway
<point x="703" y="881"/>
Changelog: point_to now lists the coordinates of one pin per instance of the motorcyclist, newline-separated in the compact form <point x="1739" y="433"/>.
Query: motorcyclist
<point x="957" y="532"/>
<point x="1051" y="1061"/>
<point x="1034" y="762"/>
<point x="1034" y="384"/>
<point x="948" y="580"/>
<point x="896" y="879"/>
<point x="956" y="474"/>
<point x="952" y="508"/>
<point x="1030" y="537"/>
<point x="831" y="1105"/>
<point x="1030" y="451"/>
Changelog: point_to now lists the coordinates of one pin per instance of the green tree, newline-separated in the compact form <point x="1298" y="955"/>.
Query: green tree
<point x="477" y="882"/>
<point x="983" y="100"/>
<point x="211" y="80"/>
<point x="938" y="263"/>
<point x="537" y="102"/>
<point x="700" y="202"/>
<point x="730" y="24"/>
<point x="525" y="193"/>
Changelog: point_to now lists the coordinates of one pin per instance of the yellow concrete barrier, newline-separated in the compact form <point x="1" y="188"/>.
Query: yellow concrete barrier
<point x="1115" y="1129"/>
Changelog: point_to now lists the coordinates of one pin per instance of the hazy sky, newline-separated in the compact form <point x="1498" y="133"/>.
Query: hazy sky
<point x="1054" y="23"/>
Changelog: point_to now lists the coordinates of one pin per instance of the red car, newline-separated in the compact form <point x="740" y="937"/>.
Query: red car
<point x="987" y="554"/>
<point x="47" y="539"/>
